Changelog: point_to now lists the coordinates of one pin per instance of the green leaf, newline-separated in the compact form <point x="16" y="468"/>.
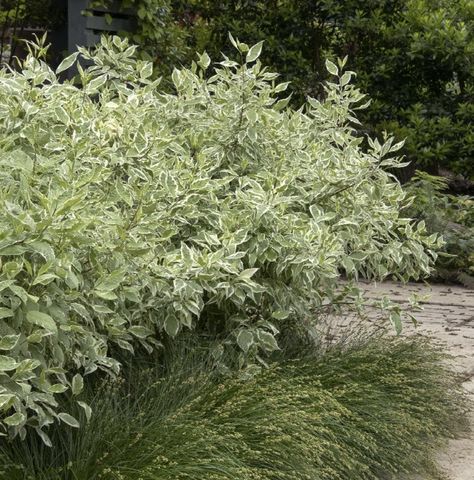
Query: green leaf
<point x="331" y="68"/>
<point x="140" y="332"/>
<point x="396" y="321"/>
<point x="42" y="320"/>
<point x="254" y="52"/>
<point x="67" y="62"/>
<point x="57" y="388"/>
<point x="280" y="315"/>
<point x="77" y="384"/>
<point x="69" y="420"/>
<point x="7" y="363"/>
<point x="245" y="340"/>
<point x="5" y="312"/>
<point x="14" y="420"/>
<point x="172" y="326"/>
<point x="8" y="342"/>
<point x="87" y="410"/>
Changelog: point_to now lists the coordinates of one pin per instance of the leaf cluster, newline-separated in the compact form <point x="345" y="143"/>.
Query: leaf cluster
<point x="415" y="59"/>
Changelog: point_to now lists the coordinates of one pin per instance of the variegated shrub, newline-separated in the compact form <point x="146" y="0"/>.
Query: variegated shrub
<point x="128" y="214"/>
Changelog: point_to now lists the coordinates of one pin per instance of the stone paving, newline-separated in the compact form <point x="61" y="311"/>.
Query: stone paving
<point x="447" y="316"/>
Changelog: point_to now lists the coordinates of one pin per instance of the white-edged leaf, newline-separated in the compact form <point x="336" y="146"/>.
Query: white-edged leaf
<point x="7" y="363"/>
<point x="248" y="273"/>
<point x="96" y="83"/>
<point x="57" y="388"/>
<point x="87" y="410"/>
<point x="5" y="312"/>
<point x="254" y="52"/>
<point x="245" y="340"/>
<point x="172" y="326"/>
<point x="281" y="104"/>
<point x="233" y="41"/>
<point x="69" y="420"/>
<point x="42" y="320"/>
<point x="396" y="321"/>
<point x="280" y="315"/>
<point x="14" y="420"/>
<point x="8" y="342"/>
<point x="139" y="331"/>
<point x="268" y="341"/>
<point x="6" y="400"/>
<point x="281" y="87"/>
<point x="146" y="71"/>
<point x="44" y="437"/>
<point x="77" y="384"/>
<point x="331" y="67"/>
<point x="345" y="79"/>
<point x="204" y="61"/>
<point x="67" y="62"/>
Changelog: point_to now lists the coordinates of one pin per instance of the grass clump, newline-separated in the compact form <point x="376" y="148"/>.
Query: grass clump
<point x="368" y="412"/>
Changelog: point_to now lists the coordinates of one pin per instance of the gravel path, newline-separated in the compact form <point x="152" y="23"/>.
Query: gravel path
<point x="448" y="316"/>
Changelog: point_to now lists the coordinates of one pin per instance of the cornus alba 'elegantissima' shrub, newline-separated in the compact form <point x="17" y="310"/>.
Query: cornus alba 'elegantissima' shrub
<point x="128" y="214"/>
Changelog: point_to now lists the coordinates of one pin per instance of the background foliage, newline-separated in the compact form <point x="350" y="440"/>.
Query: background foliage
<point x="453" y="217"/>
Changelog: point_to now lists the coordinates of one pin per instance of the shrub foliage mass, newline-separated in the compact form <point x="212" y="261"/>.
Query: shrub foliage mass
<point x="129" y="214"/>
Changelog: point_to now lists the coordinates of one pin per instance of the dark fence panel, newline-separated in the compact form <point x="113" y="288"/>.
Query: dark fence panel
<point x="68" y="23"/>
<point x="86" y="29"/>
<point x="23" y="19"/>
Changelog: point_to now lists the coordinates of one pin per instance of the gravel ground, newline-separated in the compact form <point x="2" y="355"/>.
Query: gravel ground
<point x="448" y="316"/>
